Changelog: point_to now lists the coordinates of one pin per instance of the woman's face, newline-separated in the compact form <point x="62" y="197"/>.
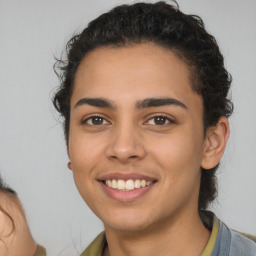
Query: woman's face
<point x="136" y="138"/>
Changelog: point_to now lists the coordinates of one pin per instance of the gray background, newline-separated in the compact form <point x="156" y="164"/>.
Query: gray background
<point x="33" y="156"/>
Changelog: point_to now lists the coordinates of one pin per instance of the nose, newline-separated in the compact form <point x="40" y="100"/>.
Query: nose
<point x="126" y="144"/>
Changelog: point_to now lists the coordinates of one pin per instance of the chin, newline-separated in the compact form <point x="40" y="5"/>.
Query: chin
<point x="130" y="223"/>
<point x="127" y="227"/>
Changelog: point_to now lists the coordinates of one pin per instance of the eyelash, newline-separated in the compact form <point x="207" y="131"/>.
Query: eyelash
<point x="104" y="120"/>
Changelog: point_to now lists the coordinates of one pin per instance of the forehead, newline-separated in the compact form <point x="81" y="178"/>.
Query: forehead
<point x="133" y="73"/>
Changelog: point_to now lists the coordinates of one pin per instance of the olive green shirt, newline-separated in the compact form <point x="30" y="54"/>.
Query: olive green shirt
<point x="40" y="251"/>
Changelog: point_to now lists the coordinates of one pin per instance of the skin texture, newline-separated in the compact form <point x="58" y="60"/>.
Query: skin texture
<point x="14" y="240"/>
<point x="129" y="140"/>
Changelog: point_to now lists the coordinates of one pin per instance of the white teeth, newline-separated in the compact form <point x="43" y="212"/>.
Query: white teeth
<point x="127" y="185"/>
<point x="143" y="183"/>
<point x="109" y="183"/>
<point x="114" y="184"/>
<point x="137" y="184"/>
<point x="121" y="184"/>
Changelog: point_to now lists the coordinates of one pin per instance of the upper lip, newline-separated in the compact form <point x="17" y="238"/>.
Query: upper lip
<point x="125" y="176"/>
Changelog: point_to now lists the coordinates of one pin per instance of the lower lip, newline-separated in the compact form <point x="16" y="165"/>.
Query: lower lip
<point x="126" y="196"/>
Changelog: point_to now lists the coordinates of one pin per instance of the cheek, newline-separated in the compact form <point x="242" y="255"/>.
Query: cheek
<point x="180" y="163"/>
<point x="83" y="154"/>
<point x="178" y="155"/>
<point x="84" y="151"/>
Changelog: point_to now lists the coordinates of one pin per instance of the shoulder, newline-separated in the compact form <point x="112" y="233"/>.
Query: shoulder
<point x="234" y="243"/>
<point x="241" y="244"/>
<point x="40" y="251"/>
<point x="253" y="238"/>
<point x="96" y="247"/>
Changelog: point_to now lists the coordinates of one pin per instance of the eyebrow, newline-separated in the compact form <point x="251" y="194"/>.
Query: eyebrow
<point x="96" y="102"/>
<point x="146" y="103"/>
<point x="158" y="102"/>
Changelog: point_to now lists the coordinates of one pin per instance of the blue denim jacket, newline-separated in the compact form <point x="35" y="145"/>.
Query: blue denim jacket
<point x="232" y="243"/>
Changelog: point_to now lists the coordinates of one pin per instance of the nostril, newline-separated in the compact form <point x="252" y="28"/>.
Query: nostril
<point x="113" y="157"/>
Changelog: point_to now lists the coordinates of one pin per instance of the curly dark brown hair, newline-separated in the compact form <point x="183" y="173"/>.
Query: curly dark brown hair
<point x="166" y="26"/>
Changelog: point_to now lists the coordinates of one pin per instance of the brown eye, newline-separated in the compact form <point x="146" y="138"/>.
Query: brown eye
<point x="95" y="120"/>
<point x="159" y="120"/>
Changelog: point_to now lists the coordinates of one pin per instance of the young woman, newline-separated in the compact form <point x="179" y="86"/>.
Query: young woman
<point x="144" y="96"/>
<point x="15" y="236"/>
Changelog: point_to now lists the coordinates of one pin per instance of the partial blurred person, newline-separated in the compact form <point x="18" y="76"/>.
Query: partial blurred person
<point x="15" y="236"/>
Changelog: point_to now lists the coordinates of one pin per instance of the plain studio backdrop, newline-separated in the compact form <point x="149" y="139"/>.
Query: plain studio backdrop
<point x="33" y="157"/>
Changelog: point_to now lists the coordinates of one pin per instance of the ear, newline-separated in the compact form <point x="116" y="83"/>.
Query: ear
<point x="215" y="143"/>
<point x="69" y="166"/>
<point x="69" y="163"/>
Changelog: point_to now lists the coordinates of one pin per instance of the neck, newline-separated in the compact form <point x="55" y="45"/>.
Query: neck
<point x="183" y="236"/>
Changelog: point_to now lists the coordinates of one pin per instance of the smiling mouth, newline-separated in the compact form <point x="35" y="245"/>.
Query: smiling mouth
<point x="127" y="185"/>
